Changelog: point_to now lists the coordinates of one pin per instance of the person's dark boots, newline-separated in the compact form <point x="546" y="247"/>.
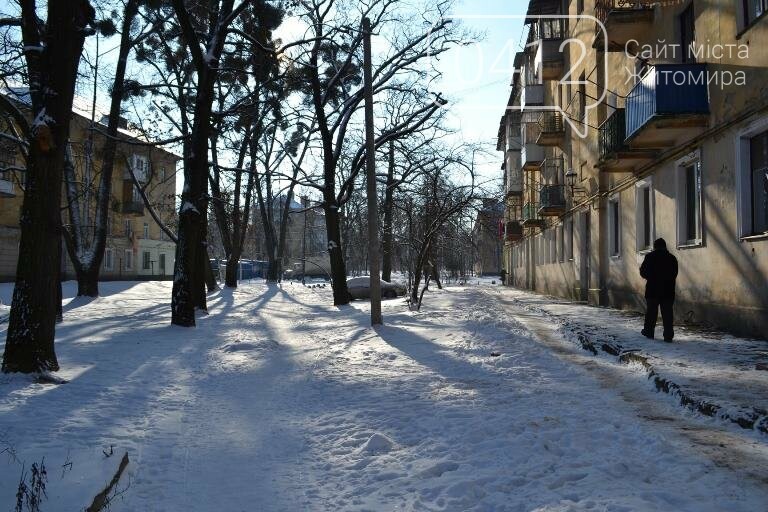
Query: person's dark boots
<point x="647" y="334"/>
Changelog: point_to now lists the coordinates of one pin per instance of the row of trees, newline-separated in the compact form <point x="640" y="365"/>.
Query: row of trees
<point x="255" y="117"/>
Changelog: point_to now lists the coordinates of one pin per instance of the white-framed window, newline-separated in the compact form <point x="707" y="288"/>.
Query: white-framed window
<point x="128" y="259"/>
<point x="750" y="12"/>
<point x="146" y="260"/>
<point x="109" y="259"/>
<point x="752" y="179"/>
<point x="614" y="227"/>
<point x="128" y="227"/>
<point x="140" y="166"/>
<point x="644" y="215"/>
<point x="688" y="198"/>
<point x="146" y="230"/>
<point x="162" y="263"/>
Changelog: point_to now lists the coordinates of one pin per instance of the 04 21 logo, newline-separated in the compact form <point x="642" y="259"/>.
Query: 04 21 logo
<point x="548" y="40"/>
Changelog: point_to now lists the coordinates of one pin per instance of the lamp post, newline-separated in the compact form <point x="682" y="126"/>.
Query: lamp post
<point x="570" y="180"/>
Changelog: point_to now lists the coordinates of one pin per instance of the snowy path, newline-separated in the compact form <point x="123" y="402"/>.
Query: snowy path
<point x="278" y="401"/>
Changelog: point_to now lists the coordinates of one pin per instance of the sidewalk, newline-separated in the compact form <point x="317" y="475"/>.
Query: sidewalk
<point x="712" y="373"/>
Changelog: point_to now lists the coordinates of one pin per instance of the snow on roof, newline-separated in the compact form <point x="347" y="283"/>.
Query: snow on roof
<point x="84" y="108"/>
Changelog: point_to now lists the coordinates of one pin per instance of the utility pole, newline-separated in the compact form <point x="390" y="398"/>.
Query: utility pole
<point x="370" y="167"/>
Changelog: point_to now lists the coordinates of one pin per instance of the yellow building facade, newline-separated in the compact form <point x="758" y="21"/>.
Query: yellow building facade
<point x="136" y="246"/>
<point x="651" y="122"/>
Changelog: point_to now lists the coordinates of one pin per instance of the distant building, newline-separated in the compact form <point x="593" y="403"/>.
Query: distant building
<point x="306" y="237"/>
<point x="136" y="246"/>
<point x="487" y="237"/>
<point x="658" y="128"/>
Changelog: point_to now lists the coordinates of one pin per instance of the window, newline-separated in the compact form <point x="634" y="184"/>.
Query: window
<point x="614" y="227"/>
<point x="752" y="179"/>
<point x="644" y="219"/>
<point x="162" y="264"/>
<point x="146" y="230"/>
<point x="688" y="33"/>
<point x="758" y="158"/>
<point x="689" y="219"/>
<point x="145" y="262"/>
<point x="752" y="10"/>
<point x="552" y="246"/>
<point x="569" y="239"/>
<point x="128" y="259"/>
<point x="136" y="195"/>
<point x="128" y="228"/>
<point x="579" y="6"/>
<point x="109" y="259"/>
<point x="162" y="174"/>
<point x="561" y="242"/>
<point x="583" y="98"/>
<point x="140" y="168"/>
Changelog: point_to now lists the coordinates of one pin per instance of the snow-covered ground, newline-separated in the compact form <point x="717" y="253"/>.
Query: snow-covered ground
<point x="279" y="401"/>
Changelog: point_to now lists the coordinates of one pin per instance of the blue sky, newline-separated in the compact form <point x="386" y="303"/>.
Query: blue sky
<point x="477" y="78"/>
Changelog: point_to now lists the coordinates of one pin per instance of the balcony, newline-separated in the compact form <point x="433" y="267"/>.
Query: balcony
<point x="624" y="21"/>
<point x="615" y="155"/>
<point x="531" y="157"/>
<point x="514" y="174"/>
<point x="513" y="231"/>
<point x="546" y="35"/>
<point x="531" y="218"/>
<point x="552" y="129"/>
<point x="532" y="95"/>
<point x="552" y="200"/>
<point x="6" y="188"/>
<point x="666" y="106"/>
<point x="133" y="208"/>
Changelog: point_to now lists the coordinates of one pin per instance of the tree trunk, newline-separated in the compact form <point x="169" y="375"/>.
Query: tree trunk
<point x="230" y="279"/>
<point x="31" y="325"/>
<point x="389" y="206"/>
<point x="338" y="268"/>
<point x="210" y="277"/>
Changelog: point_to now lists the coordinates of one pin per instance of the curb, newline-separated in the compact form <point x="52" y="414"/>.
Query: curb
<point x="755" y="419"/>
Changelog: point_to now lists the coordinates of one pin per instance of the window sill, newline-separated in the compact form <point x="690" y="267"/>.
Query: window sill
<point x="691" y="245"/>
<point x="751" y="24"/>
<point x="754" y="238"/>
<point x="643" y="252"/>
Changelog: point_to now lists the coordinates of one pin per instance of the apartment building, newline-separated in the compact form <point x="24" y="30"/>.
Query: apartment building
<point x="487" y="240"/>
<point x="136" y="246"/>
<point x="651" y="122"/>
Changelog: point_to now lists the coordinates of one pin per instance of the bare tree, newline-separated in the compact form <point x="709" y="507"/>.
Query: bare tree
<point x="52" y="53"/>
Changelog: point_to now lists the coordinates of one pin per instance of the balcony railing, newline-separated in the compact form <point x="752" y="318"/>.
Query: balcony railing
<point x="623" y="20"/>
<point x="552" y="200"/>
<point x="513" y="230"/>
<point x="552" y="129"/>
<point x="547" y="29"/>
<point x="612" y="134"/>
<point x="133" y="208"/>
<point x="677" y="92"/>
<point x="531" y="214"/>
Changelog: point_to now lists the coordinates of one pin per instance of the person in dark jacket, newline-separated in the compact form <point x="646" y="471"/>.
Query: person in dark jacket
<point x="659" y="269"/>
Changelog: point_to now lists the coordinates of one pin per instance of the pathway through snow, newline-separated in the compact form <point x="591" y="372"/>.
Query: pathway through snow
<point x="278" y="401"/>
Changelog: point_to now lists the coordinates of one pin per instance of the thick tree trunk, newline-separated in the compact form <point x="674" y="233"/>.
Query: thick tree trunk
<point x="230" y="279"/>
<point x="31" y="325"/>
<point x="338" y="268"/>
<point x="210" y="277"/>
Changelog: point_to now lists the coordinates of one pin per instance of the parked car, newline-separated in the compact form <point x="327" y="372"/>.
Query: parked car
<point x="360" y="288"/>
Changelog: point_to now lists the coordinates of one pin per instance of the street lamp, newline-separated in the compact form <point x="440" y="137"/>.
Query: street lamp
<point x="570" y="179"/>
